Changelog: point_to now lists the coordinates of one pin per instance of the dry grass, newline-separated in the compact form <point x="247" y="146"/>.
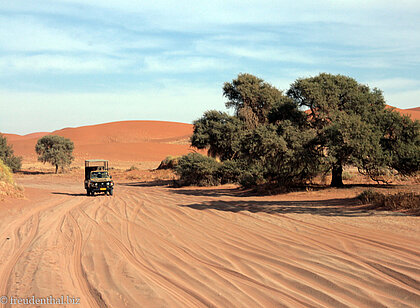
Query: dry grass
<point x="406" y="201"/>
<point x="169" y="162"/>
<point x="8" y="187"/>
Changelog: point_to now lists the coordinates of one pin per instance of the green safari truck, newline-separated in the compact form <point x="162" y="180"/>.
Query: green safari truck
<point x="97" y="178"/>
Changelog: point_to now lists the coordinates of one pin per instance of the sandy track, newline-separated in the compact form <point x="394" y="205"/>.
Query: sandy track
<point x="160" y="247"/>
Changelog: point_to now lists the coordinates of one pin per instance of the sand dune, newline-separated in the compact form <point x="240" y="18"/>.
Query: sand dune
<point x="162" y="247"/>
<point x="124" y="141"/>
<point x="414" y="113"/>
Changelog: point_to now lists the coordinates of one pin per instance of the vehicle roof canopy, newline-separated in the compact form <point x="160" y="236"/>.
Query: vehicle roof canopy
<point x="96" y="163"/>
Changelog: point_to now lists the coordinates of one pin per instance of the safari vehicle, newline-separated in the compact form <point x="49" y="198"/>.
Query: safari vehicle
<point x="97" y="178"/>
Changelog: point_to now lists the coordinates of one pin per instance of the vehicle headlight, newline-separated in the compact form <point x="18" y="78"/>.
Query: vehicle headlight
<point x="107" y="183"/>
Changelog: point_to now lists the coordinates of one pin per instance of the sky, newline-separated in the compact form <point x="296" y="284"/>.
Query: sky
<point x="68" y="63"/>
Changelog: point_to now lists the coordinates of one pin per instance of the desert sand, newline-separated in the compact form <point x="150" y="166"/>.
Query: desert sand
<point x="156" y="246"/>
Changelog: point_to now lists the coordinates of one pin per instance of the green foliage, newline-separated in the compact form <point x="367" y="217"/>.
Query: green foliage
<point x="287" y="109"/>
<point x="271" y="140"/>
<point x="353" y="127"/>
<point x="400" y="141"/>
<point x="197" y="169"/>
<point x="347" y="176"/>
<point x="55" y="150"/>
<point x="251" y="98"/>
<point x="280" y="154"/>
<point x="7" y="155"/>
<point x="231" y="171"/>
<point x="218" y="132"/>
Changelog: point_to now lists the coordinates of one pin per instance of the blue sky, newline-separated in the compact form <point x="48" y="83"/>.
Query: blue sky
<point x="72" y="63"/>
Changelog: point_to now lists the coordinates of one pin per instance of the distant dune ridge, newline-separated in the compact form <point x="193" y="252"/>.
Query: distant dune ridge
<point x="127" y="140"/>
<point x="124" y="140"/>
<point x="414" y="113"/>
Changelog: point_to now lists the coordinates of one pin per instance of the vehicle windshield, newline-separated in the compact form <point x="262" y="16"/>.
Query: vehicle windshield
<point x="99" y="174"/>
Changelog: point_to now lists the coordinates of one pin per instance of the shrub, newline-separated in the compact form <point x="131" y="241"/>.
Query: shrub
<point x="5" y="174"/>
<point x="252" y="177"/>
<point x="132" y="168"/>
<point x="169" y="162"/>
<point x="347" y="176"/>
<point x="399" y="201"/>
<point x="231" y="171"/>
<point x="8" y="187"/>
<point x="8" y="157"/>
<point x="197" y="169"/>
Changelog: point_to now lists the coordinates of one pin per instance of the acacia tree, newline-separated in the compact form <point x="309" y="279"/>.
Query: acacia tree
<point x="251" y="98"/>
<point x="7" y="155"/>
<point x="218" y="132"/>
<point x="353" y="127"/>
<point x="55" y="150"/>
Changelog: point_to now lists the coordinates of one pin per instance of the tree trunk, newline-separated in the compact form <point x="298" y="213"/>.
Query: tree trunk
<point x="56" y="169"/>
<point x="337" y="176"/>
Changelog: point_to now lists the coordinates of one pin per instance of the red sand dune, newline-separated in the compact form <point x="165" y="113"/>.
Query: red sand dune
<point x="12" y="137"/>
<point x="125" y="141"/>
<point x="414" y="113"/>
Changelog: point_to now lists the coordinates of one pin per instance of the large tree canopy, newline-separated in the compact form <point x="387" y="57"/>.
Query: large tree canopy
<point x="251" y="98"/>
<point x="218" y="132"/>
<point x="353" y="126"/>
<point x="270" y="139"/>
<point x="55" y="150"/>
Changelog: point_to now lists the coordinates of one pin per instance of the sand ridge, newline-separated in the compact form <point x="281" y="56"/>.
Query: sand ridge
<point x="124" y="141"/>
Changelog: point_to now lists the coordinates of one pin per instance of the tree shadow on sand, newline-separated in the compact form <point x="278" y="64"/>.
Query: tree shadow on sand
<point x="148" y="183"/>
<point x="28" y="172"/>
<point x="347" y="207"/>
<point x="241" y="192"/>
<point x="69" y="194"/>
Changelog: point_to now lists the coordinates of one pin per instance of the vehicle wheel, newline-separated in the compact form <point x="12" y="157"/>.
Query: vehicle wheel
<point x="111" y="192"/>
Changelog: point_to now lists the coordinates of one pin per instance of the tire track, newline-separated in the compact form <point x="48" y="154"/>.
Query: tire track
<point x="33" y="221"/>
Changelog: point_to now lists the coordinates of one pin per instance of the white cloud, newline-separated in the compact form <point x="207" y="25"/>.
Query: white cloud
<point x="404" y="100"/>
<point x="62" y="64"/>
<point x="29" y="35"/>
<point x="395" y="84"/>
<point x="186" y="64"/>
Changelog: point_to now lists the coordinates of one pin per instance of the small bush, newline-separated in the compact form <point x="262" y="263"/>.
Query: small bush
<point x="252" y="176"/>
<point x="132" y="168"/>
<point x="8" y="187"/>
<point x="7" y="155"/>
<point x="169" y="162"/>
<point x="347" y="176"/>
<point x="197" y="169"/>
<point x="399" y="201"/>
<point x="5" y="174"/>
